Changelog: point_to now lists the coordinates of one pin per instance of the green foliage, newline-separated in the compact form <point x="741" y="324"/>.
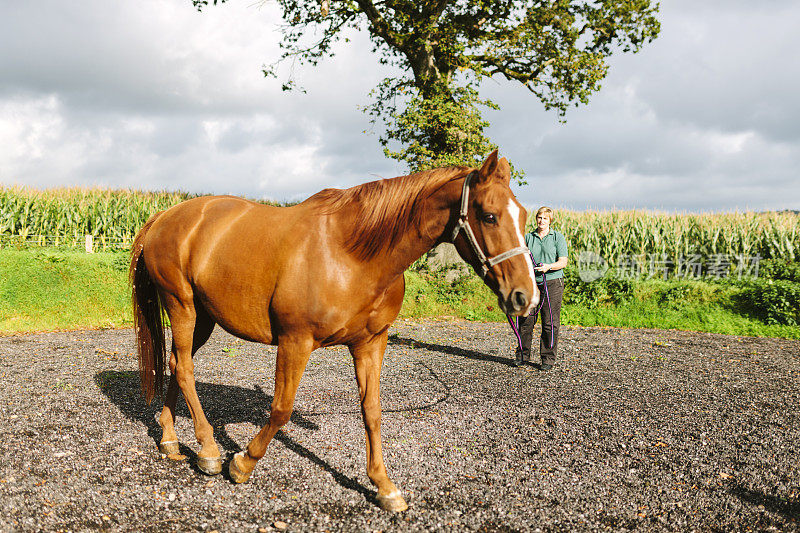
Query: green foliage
<point x="121" y="260"/>
<point x="557" y="50"/>
<point x="63" y="217"/>
<point x="449" y="122"/>
<point x="681" y="292"/>
<point x="773" y="301"/>
<point x="430" y="294"/>
<point x="687" y="305"/>
<point x="645" y="312"/>
<point x="60" y="216"/>
<point x="780" y="268"/>
<point x="608" y="290"/>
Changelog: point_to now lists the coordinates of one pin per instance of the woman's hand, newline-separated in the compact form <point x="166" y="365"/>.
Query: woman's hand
<point x="545" y="267"/>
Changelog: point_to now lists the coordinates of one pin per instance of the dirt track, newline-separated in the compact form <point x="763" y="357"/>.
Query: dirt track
<point x="634" y="429"/>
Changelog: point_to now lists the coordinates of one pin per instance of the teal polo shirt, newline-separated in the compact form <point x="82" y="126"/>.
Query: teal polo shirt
<point x="547" y="249"/>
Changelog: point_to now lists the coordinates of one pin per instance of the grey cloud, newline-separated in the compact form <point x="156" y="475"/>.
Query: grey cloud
<point x="153" y="95"/>
<point x="705" y="117"/>
<point x="724" y="68"/>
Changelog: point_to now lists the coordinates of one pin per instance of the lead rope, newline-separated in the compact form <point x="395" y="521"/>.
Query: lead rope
<point x="514" y="321"/>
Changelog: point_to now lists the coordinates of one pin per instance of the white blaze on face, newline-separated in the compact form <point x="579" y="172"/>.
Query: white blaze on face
<point x="515" y="212"/>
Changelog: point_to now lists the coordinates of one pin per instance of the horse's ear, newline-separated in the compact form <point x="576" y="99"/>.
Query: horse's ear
<point x="504" y="170"/>
<point x="489" y="166"/>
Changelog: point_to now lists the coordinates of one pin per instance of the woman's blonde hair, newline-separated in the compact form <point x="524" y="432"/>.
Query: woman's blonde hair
<point x="548" y="211"/>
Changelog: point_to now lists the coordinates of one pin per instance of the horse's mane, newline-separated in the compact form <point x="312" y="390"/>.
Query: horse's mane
<point x="384" y="209"/>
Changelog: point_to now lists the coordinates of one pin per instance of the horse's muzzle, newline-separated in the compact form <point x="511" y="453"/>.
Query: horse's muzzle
<point x="519" y="302"/>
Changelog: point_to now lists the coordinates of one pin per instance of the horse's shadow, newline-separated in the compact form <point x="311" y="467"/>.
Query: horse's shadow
<point x="230" y="404"/>
<point x="449" y="350"/>
<point x="788" y="508"/>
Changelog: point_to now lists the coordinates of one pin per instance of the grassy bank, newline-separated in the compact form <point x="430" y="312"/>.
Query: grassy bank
<point x="50" y="289"/>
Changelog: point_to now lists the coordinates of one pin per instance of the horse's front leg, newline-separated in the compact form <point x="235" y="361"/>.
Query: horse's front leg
<point x="368" y="358"/>
<point x="290" y="363"/>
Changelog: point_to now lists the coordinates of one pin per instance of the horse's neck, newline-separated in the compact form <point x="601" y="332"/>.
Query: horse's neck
<point x="432" y="228"/>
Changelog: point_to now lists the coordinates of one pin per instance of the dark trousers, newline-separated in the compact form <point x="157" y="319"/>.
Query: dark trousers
<point x="555" y="291"/>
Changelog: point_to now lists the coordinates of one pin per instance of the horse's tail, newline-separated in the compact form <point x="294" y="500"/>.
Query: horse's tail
<point x="148" y="318"/>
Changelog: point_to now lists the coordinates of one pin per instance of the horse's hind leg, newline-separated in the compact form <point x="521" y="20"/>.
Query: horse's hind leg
<point x="169" y="439"/>
<point x="289" y="365"/>
<point x="368" y="358"/>
<point x="184" y="320"/>
<point x="204" y="325"/>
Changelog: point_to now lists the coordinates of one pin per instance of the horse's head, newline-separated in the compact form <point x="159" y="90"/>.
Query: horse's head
<point x="489" y="236"/>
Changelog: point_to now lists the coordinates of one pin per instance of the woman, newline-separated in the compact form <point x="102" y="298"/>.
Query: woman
<point x="549" y="248"/>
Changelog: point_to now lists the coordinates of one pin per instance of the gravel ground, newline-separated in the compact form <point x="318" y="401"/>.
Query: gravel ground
<point x="633" y="429"/>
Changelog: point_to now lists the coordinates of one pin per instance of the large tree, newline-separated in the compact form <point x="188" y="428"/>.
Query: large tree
<point x="557" y="49"/>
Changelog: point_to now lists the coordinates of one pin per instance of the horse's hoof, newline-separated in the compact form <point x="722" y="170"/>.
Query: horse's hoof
<point x="237" y="475"/>
<point x="392" y="502"/>
<point x="168" y="447"/>
<point x="210" y="465"/>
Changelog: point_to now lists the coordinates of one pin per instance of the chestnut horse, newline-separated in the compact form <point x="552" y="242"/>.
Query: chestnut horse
<point x="326" y="271"/>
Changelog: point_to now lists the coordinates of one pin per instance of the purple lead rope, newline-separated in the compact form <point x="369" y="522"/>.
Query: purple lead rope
<point x="515" y="327"/>
<point x="514" y="321"/>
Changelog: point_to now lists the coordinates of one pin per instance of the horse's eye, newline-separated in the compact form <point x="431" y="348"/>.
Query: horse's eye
<point x="489" y="218"/>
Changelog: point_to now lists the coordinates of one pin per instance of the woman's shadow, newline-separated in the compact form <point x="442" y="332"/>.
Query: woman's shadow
<point x="230" y="404"/>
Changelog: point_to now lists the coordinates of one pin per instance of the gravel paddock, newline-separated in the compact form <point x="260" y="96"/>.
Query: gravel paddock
<point x="633" y="429"/>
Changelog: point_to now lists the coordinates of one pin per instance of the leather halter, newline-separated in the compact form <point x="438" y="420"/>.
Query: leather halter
<point x="463" y="224"/>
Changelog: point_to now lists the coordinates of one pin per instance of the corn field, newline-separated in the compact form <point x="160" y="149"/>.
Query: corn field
<point x="656" y="241"/>
<point x="66" y="216"/>
<point x="63" y="217"/>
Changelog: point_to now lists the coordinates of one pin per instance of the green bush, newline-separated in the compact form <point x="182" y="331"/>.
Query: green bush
<point x="776" y="269"/>
<point x="608" y="290"/>
<point x="430" y="294"/>
<point x="773" y="301"/>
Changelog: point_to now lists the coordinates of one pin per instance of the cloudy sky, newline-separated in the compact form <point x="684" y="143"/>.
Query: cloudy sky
<point x="151" y="94"/>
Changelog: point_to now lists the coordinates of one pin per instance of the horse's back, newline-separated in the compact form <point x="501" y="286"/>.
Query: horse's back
<point x="185" y="232"/>
<point x="207" y="211"/>
<point x="213" y="221"/>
